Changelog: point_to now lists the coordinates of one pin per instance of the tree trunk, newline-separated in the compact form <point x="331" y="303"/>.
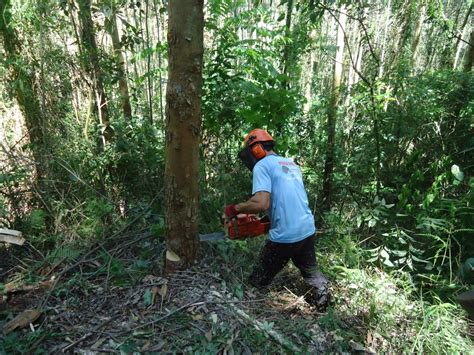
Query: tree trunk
<point x="122" y="81"/>
<point x="469" y="56"/>
<point x="332" y="112"/>
<point x="148" y="66"/>
<point x="354" y="67"/>
<point x="404" y="23"/>
<point x="92" y="67"/>
<point x="457" y="46"/>
<point x="286" y="50"/>
<point x="417" y="36"/>
<point x="384" y="45"/>
<point x="183" y="125"/>
<point x="160" y="76"/>
<point x="286" y="60"/>
<point x="307" y="80"/>
<point x="23" y="84"/>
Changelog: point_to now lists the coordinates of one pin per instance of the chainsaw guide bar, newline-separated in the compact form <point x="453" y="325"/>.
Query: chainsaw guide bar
<point x="211" y="236"/>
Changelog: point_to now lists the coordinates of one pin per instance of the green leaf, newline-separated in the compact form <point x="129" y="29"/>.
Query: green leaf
<point x="388" y="263"/>
<point x="420" y="260"/>
<point x="399" y="253"/>
<point x="457" y="173"/>
<point x="429" y="198"/>
<point x="429" y="266"/>
<point x="147" y="297"/>
<point x="384" y="254"/>
<point x="239" y="291"/>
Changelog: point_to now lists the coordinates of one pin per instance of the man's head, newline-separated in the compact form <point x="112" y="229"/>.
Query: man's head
<point x="257" y="144"/>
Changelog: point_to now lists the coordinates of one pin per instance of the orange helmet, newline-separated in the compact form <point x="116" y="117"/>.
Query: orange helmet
<point x="253" y="147"/>
<point x="257" y="135"/>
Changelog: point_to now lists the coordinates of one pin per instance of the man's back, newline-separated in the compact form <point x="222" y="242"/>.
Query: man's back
<point x="289" y="212"/>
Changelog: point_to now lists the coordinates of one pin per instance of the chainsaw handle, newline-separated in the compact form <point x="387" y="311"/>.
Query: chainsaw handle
<point x="246" y="226"/>
<point x="236" y="226"/>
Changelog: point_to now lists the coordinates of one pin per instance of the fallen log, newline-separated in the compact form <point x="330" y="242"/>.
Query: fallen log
<point x="22" y="320"/>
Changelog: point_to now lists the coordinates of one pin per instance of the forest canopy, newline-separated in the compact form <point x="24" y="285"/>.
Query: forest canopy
<point x="373" y="99"/>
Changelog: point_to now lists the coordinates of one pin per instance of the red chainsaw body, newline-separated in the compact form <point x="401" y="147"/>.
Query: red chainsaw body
<point x="247" y="226"/>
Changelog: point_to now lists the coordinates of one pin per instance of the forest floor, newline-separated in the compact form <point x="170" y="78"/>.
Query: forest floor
<point x="113" y="299"/>
<point x="193" y="311"/>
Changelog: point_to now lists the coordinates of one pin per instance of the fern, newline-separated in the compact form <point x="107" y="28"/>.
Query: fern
<point x="63" y="253"/>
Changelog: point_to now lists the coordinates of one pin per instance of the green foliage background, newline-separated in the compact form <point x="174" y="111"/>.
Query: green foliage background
<point x="419" y="226"/>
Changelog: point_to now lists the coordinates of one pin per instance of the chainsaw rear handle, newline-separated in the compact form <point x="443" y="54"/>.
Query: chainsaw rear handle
<point x="235" y="226"/>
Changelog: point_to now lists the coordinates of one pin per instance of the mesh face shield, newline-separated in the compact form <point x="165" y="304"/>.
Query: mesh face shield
<point x="247" y="158"/>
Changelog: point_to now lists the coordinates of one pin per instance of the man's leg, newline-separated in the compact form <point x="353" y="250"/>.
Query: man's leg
<point x="273" y="258"/>
<point x="305" y="260"/>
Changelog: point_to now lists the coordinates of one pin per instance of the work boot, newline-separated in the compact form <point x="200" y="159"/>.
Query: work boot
<point x="319" y="296"/>
<point x="324" y="297"/>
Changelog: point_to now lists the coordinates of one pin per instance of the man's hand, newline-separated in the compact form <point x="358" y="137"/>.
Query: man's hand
<point x="230" y="211"/>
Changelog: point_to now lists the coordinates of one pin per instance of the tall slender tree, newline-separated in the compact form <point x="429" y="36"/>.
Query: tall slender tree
<point x="332" y="111"/>
<point x="286" y="49"/>
<point x="457" y="46"/>
<point x="91" y="64"/>
<point x="122" y="72"/>
<point x="148" y="65"/>
<point x="469" y="56"/>
<point x="160" y="76"/>
<point x="22" y="79"/>
<point x="417" y="35"/>
<point x="183" y="126"/>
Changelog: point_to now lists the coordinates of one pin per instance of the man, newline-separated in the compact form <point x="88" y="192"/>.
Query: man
<point x="278" y="187"/>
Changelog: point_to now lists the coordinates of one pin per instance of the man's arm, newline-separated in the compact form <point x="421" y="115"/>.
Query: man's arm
<point x="257" y="203"/>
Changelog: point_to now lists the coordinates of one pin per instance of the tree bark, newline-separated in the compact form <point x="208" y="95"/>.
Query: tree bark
<point x="286" y="60"/>
<point x="332" y="112"/>
<point x="457" y="46"/>
<point x="307" y="80"/>
<point x="404" y="23"/>
<point x="122" y="81"/>
<point x="183" y="126"/>
<point x="23" y="86"/>
<point x="354" y="67"/>
<point x="160" y="76"/>
<point x="286" y="50"/>
<point x="469" y="56"/>
<point x="383" y="45"/>
<point x="92" y="67"/>
<point x="417" y="35"/>
<point x="148" y="66"/>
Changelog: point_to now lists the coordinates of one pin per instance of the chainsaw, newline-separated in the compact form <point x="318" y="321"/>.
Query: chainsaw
<point x="242" y="226"/>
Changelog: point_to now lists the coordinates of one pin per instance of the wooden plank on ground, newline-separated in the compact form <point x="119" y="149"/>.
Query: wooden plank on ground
<point x="10" y="232"/>
<point x="11" y="236"/>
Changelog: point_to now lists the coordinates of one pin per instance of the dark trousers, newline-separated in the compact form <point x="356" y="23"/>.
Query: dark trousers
<point x="275" y="256"/>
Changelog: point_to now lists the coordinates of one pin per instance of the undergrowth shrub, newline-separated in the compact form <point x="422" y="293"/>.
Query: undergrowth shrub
<point x="390" y="310"/>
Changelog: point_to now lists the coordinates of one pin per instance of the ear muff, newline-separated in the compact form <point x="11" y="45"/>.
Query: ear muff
<point x="258" y="151"/>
